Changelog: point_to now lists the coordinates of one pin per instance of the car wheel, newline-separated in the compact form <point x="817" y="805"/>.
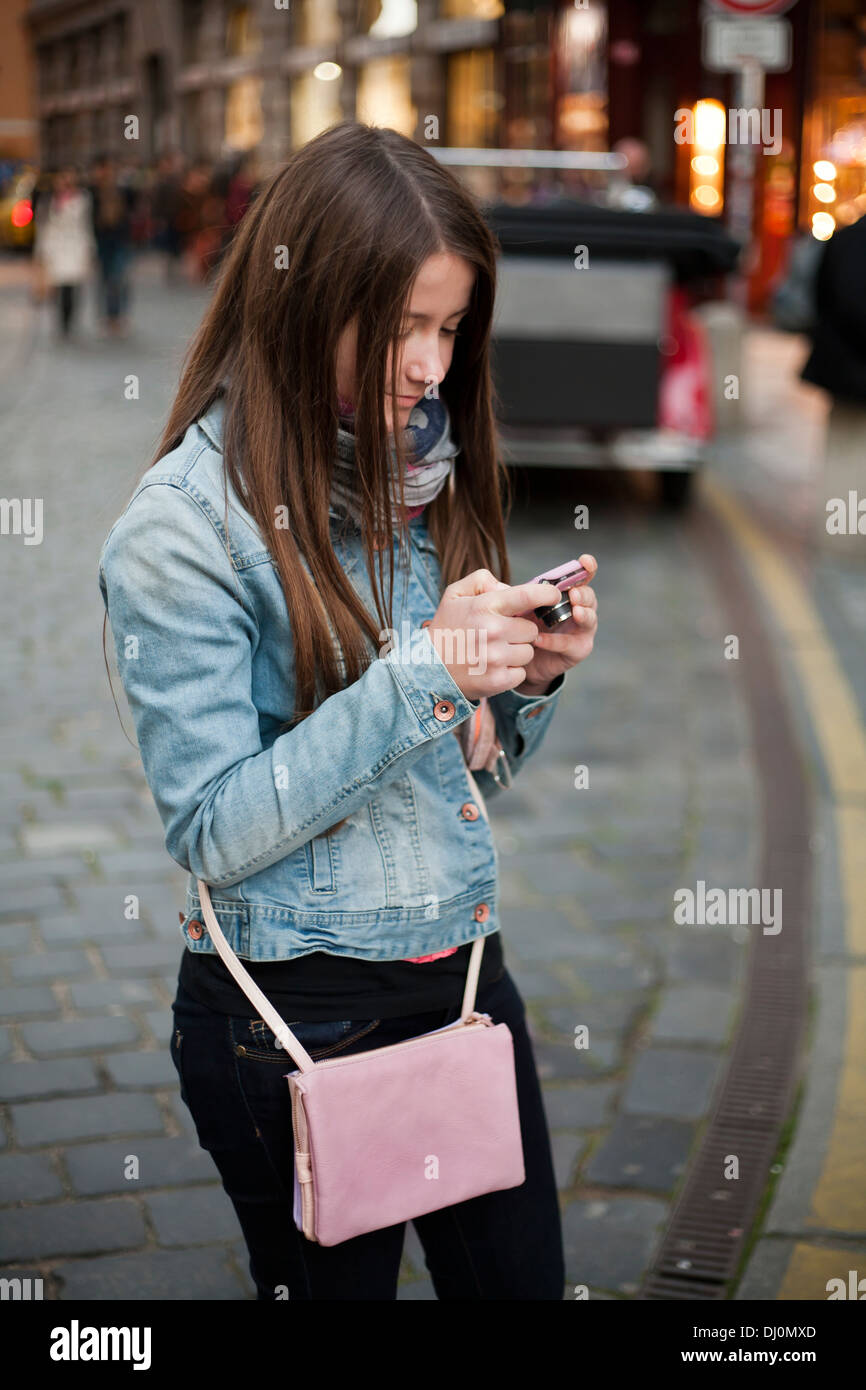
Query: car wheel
<point x="676" y="489"/>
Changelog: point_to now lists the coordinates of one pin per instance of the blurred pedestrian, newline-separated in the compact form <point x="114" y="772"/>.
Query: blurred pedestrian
<point x="628" y="189"/>
<point x="837" y="362"/>
<point x="64" y="244"/>
<point x="207" y="240"/>
<point x="194" y="192"/>
<point x="113" y="206"/>
<point x="166" y="200"/>
<point x="242" y="186"/>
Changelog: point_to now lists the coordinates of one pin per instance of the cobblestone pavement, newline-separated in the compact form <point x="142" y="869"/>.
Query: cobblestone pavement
<point x="587" y="874"/>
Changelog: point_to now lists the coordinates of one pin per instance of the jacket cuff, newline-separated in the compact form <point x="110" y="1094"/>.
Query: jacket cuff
<point x="426" y="682"/>
<point x="522" y="720"/>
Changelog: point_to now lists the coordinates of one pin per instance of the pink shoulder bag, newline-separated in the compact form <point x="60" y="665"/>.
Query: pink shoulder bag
<point x="399" y="1131"/>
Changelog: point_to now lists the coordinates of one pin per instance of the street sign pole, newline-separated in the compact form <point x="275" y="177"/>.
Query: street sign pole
<point x="748" y="94"/>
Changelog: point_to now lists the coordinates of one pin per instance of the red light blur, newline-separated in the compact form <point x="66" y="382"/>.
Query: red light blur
<point x="22" y="213"/>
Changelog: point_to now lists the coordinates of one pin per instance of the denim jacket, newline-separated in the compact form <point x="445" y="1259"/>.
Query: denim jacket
<point x="204" y="649"/>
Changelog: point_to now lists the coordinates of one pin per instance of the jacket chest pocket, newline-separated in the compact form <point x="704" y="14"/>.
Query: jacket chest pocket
<point x="321" y="857"/>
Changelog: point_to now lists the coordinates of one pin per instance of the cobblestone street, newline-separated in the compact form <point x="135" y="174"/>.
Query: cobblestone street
<point x="657" y="715"/>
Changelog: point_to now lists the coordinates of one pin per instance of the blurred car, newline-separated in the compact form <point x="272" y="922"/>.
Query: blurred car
<point x="597" y="357"/>
<point x="16" y="211"/>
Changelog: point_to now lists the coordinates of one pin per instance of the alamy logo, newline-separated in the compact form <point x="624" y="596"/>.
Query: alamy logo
<point x="20" y="1290"/>
<point x="76" y="1343"/>
<point x="745" y="126"/>
<point x="720" y="907"/>
<point x="856" y="1287"/>
<point x="22" y="516"/>
<point x="455" y="646"/>
<point x="846" y="517"/>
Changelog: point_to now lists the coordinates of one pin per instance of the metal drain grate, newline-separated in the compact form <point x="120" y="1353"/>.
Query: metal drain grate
<point x="711" y="1221"/>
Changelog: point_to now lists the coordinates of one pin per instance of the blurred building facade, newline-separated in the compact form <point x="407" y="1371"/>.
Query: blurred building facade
<point x="18" y="128"/>
<point x="209" y="77"/>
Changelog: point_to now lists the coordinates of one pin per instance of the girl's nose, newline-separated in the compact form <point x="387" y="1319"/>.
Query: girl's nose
<point x="425" y="367"/>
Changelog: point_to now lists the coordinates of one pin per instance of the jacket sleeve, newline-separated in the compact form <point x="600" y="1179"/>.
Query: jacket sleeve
<point x="185" y="631"/>
<point x="521" y="723"/>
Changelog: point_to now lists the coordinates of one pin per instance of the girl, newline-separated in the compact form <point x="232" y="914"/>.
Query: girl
<point x="298" y="748"/>
<point x="64" y="247"/>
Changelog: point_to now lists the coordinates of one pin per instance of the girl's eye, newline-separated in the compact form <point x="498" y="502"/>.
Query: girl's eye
<point x="450" y="332"/>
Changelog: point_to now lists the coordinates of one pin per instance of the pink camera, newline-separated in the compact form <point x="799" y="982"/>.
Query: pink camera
<point x="555" y="616"/>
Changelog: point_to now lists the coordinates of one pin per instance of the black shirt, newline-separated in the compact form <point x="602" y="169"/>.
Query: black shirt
<point x="320" y="987"/>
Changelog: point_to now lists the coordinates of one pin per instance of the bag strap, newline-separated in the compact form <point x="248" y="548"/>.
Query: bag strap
<point x="277" y="1025"/>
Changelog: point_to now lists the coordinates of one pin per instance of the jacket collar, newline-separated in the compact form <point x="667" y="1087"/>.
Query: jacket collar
<point x="211" y="425"/>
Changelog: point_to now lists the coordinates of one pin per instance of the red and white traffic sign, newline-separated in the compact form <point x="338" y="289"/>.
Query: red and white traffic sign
<point x="756" y="7"/>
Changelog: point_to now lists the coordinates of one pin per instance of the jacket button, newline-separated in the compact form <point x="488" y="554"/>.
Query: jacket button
<point x="444" y="710"/>
<point x="195" y="930"/>
<point x="482" y="912"/>
<point x="469" y="811"/>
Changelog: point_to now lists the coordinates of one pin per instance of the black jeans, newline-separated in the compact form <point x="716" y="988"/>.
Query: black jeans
<point x="503" y="1245"/>
<point x="67" y="302"/>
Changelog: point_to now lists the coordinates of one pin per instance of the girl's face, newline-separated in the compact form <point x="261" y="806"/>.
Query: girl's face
<point x="440" y="297"/>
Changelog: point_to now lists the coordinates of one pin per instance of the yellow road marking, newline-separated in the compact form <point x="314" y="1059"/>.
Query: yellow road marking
<point x="839" y="1199"/>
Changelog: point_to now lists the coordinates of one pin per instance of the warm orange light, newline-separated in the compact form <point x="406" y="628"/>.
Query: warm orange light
<point x="706" y="174"/>
<point x="823" y="169"/>
<point x="824" y="193"/>
<point x="709" y="124"/>
<point x="823" y="226"/>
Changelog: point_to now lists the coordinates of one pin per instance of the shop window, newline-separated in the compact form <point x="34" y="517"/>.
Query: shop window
<point x="581" y="118"/>
<point x="386" y="19"/>
<point x="242" y="32"/>
<point x="474" y="104"/>
<point x="190" y="31"/>
<point x="527" y="81"/>
<point x="315" y="105"/>
<point x="244" y="127"/>
<point x="833" y="163"/>
<point x="384" y="95"/>
<point x="318" y="22"/>
<point x="43" y="69"/>
<point x="471" y="9"/>
<point x="123" y="56"/>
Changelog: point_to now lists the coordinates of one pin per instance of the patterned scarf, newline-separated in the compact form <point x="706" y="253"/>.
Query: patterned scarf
<point x="432" y="450"/>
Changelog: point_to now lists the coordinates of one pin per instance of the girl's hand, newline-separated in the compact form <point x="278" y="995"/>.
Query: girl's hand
<point x="556" y="652"/>
<point x="483" y="635"/>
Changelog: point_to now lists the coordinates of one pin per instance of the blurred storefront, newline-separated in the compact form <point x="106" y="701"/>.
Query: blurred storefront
<point x="833" y="182"/>
<point x="210" y="77"/>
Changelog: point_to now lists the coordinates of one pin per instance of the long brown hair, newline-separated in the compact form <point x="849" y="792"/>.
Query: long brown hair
<point x="339" y="233"/>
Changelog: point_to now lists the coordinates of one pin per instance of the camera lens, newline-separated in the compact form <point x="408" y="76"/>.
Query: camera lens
<point x="557" y="613"/>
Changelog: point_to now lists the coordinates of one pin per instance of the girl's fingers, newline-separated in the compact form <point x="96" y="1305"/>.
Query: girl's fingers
<point x="587" y="618"/>
<point x="590" y="564"/>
